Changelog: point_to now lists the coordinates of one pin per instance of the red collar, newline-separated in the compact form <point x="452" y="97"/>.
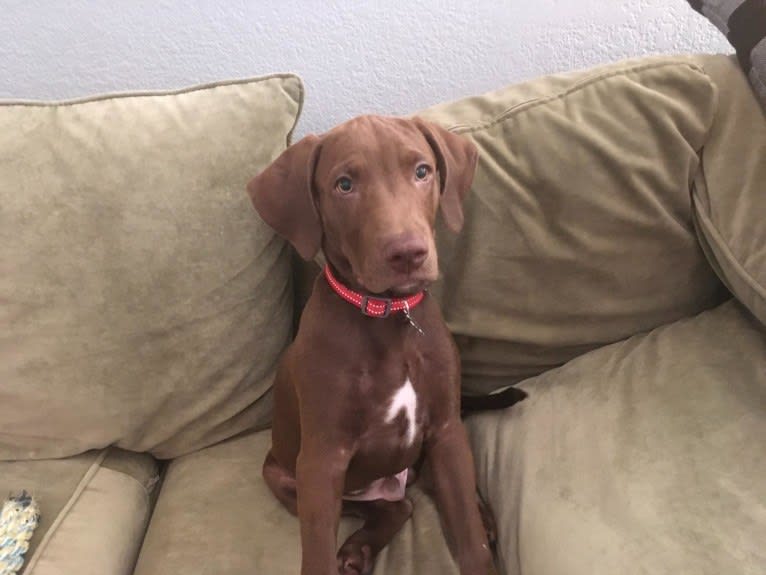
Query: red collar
<point x="372" y="306"/>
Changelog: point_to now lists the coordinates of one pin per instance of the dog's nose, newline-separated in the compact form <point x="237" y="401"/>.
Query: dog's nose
<point x="406" y="254"/>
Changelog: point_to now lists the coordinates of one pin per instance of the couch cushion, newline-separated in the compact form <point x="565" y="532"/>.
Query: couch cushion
<point x="216" y="515"/>
<point x="729" y="190"/>
<point x="94" y="510"/>
<point x="144" y="303"/>
<point x="578" y="228"/>
<point x="646" y="456"/>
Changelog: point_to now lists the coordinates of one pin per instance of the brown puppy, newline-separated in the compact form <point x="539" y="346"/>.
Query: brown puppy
<point x="362" y="395"/>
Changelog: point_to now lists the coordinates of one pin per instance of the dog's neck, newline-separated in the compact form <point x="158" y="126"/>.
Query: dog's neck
<point x="374" y="306"/>
<point x="341" y="269"/>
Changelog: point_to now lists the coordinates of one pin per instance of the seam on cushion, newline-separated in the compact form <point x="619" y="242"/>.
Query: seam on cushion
<point x="148" y="487"/>
<point x="731" y="259"/>
<point x="146" y="93"/>
<point x="536" y="102"/>
<point x="86" y="479"/>
<point x="708" y="251"/>
<point x="298" y="113"/>
<point x="147" y="492"/>
<point x="757" y="78"/>
<point x="713" y="116"/>
<point x="147" y="515"/>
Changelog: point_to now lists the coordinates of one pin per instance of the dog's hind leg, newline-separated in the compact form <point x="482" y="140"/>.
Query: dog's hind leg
<point x="382" y="520"/>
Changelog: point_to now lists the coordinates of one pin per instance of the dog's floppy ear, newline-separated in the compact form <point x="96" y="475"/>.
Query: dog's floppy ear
<point x="456" y="159"/>
<point x="283" y="197"/>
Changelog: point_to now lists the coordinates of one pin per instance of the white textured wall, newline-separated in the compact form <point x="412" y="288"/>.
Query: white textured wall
<point x="393" y="56"/>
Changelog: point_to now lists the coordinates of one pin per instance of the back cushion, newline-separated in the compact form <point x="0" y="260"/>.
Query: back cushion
<point x="143" y="302"/>
<point x="578" y="228"/>
<point x="730" y="189"/>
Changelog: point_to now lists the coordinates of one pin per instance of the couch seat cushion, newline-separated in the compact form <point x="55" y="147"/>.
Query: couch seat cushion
<point x="578" y="228"/>
<point x="144" y="303"/>
<point x="94" y="510"/>
<point x="646" y="456"/>
<point x="216" y="515"/>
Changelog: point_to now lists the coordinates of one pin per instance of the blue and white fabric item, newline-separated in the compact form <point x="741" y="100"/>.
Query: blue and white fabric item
<point x="18" y="519"/>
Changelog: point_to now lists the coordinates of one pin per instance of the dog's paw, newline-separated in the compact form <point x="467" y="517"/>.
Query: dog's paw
<point x="355" y="559"/>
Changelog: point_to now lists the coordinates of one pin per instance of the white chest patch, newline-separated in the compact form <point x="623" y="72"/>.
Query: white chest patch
<point x="405" y="399"/>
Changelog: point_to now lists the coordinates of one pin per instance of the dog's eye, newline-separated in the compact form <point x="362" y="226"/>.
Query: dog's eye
<point x="422" y="171"/>
<point x="344" y="185"/>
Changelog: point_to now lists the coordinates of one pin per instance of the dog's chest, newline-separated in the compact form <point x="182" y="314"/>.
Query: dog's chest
<point x="394" y="418"/>
<point x="404" y="405"/>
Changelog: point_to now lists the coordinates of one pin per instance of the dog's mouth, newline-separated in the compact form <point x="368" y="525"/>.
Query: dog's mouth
<point x="402" y="285"/>
<point x="409" y="288"/>
<point x="383" y="281"/>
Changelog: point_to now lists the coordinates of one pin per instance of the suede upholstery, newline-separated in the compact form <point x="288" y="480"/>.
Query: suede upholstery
<point x="729" y="198"/>
<point x="143" y="301"/>
<point x="94" y="509"/>
<point x="215" y="514"/>
<point x="143" y="304"/>
<point x="645" y="456"/>
<point x="578" y="229"/>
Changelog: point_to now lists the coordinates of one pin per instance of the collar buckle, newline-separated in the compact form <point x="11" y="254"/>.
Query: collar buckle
<point x="386" y="310"/>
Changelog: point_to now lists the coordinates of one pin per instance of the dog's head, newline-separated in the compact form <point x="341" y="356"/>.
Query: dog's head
<point x="367" y="193"/>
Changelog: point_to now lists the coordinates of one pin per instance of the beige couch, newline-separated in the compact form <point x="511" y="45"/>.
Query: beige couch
<point x="613" y="264"/>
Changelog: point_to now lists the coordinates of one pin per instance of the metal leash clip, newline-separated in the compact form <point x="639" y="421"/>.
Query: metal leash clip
<point x="412" y="321"/>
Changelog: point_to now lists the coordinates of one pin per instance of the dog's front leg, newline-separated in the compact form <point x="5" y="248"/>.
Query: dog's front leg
<point x="454" y="488"/>
<point x="320" y="478"/>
